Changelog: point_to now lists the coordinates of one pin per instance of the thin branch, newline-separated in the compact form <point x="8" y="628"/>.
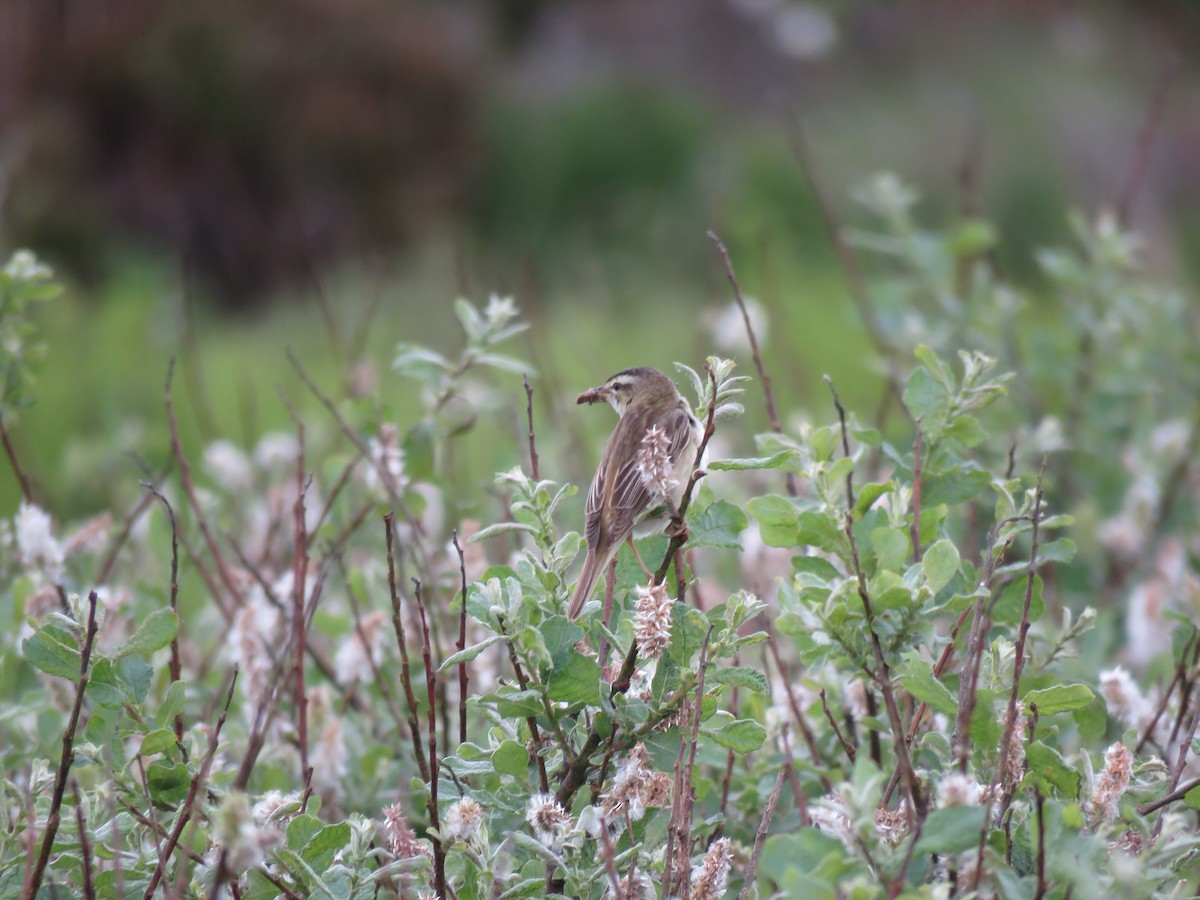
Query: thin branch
<point x="846" y="746"/>
<point x="761" y="837"/>
<point x="1039" y="803"/>
<point x="806" y="732"/>
<point x="883" y="678"/>
<point x="54" y="818"/>
<point x="439" y="852"/>
<point x="1010" y="715"/>
<point x="185" y="474"/>
<point x="841" y="411"/>
<point x="1177" y="794"/>
<point x="410" y="696"/>
<point x="533" y="454"/>
<point x="1141" y="153"/>
<point x="849" y="262"/>
<point x="176" y="662"/>
<point x="185" y="813"/>
<point x="768" y="394"/>
<point x="1180" y="761"/>
<point x="531" y="721"/>
<point x="11" y="452"/>
<point x="462" y="641"/>
<point x="915" y="527"/>
<point x="85" y="847"/>
<point x="688" y="800"/>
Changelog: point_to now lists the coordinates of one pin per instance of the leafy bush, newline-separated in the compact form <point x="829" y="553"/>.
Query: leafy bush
<point x="274" y="676"/>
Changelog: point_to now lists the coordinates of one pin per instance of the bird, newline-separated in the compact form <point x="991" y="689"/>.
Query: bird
<point x="646" y="465"/>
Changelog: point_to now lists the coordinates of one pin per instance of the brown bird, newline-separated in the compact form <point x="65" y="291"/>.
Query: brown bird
<point x="646" y="463"/>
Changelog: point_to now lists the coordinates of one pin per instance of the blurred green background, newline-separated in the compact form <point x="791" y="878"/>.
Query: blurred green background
<point x="218" y="182"/>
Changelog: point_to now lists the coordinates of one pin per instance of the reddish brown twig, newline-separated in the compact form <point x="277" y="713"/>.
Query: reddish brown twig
<point x="11" y="452"/>
<point x="1040" y="864"/>
<point x="688" y="799"/>
<point x="846" y="746"/>
<point x="185" y="813"/>
<point x="439" y="852"/>
<point x="299" y="620"/>
<point x="915" y="527"/>
<point x="185" y="475"/>
<point x="760" y="837"/>
<point x="534" y="732"/>
<point x="533" y="454"/>
<point x="768" y="394"/>
<point x="54" y="817"/>
<point x="176" y="662"/>
<point x="85" y="846"/>
<point x="462" y="641"/>
<point x="410" y="696"/>
<point x="1141" y="153"/>
<point x="1177" y="794"/>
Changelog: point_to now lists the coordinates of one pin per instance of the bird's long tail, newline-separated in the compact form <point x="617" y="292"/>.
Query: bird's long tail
<point x="593" y="566"/>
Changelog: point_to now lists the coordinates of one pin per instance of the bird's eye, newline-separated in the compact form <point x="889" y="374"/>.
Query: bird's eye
<point x="619" y="386"/>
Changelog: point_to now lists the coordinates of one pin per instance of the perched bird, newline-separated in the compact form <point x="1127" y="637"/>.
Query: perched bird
<point x="646" y="465"/>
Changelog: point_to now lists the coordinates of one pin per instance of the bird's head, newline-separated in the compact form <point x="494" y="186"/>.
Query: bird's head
<point x="638" y="385"/>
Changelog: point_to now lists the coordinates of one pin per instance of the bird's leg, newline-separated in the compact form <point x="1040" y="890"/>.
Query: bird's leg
<point x="638" y="557"/>
<point x="676" y="527"/>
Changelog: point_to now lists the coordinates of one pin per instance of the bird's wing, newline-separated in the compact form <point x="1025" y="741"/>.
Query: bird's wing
<point x="630" y="496"/>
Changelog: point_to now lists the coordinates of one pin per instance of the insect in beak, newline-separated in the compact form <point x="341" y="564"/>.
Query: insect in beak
<point x="594" y="395"/>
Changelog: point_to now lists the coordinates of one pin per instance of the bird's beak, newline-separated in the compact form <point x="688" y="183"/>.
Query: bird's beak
<point x="594" y="395"/>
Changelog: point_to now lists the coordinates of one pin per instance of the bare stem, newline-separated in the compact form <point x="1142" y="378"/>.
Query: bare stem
<point x="11" y="452"/>
<point x="410" y="696"/>
<point x="34" y="879"/>
<point x="846" y="746"/>
<point x="768" y="394"/>
<point x="462" y="642"/>
<point x="760" y="837"/>
<point x="185" y="814"/>
<point x="185" y="475"/>
<point x="439" y="852"/>
<point x="1141" y="154"/>
<point x="533" y="454"/>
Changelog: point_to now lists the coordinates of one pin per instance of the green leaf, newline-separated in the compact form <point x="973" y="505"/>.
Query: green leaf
<point x="972" y="237"/>
<point x="470" y="653"/>
<point x="168" y="783"/>
<point x="817" y="566"/>
<point x="512" y="703"/>
<point x="869" y="493"/>
<point x="918" y="679"/>
<point x="1060" y="698"/>
<point x="940" y="562"/>
<point x="777" y="519"/>
<point x="759" y="462"/>
<point x="739" y="735"/>
<point x="891" y="546"/>
<point x="560" y="636"/>
<point x="1061" y="550"/>
<point x="718" y="526"/>
<point x="1046" y="765"/>
<point x="498" y="529"/>
<point x="156" y="631"/>
<point x="511" y="758"/>
<point x="951" y="830"/>
<point x="1192" y="797"/>
<point x="301" y="830"/>
<point x="576" y="682"/>
<point x="924" y="396"/>
<point x="103" y="685"/>
<point x="324" y="845"/>
<point x="44" y="650"/>
<point x="819" y="529"/>
<point x="160" y="740"/>
<point x="740" y="676"/>
<point x="1011" y="602"/>
<point x="172" y="704"/>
